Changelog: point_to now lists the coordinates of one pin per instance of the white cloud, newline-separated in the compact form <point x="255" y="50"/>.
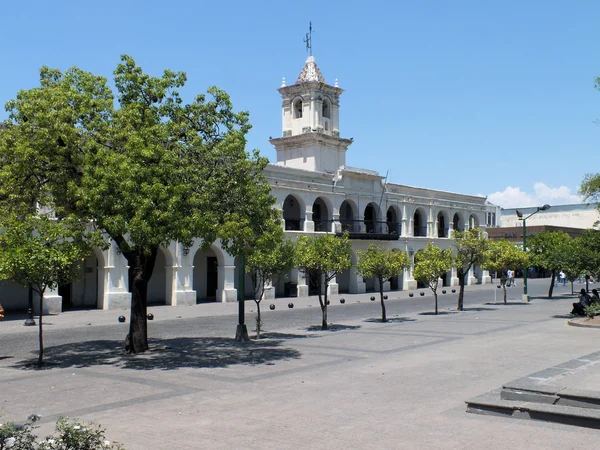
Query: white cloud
<point x="514" y="197"/>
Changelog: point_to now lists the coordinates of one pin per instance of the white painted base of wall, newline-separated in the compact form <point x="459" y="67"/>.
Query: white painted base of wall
<point x="117" y="300"/>
<point x="302" y="290"/>
<point x="184" y="298"/>
<point x="333" y="289"/>
<point x="269" y="293"/>
<point x="454" y="282"/>
<point x="410" y="285"/>
<point x="52" y="304"/>
<point x="229" y="295"/>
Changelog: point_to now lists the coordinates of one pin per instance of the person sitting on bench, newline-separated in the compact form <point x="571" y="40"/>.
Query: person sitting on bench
<point x="584" y="300"/>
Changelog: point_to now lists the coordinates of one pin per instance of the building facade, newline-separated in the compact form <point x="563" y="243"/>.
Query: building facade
<point x="316" y="192"/>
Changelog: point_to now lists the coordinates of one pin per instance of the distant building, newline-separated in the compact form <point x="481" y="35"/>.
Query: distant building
<point x="580" y="215"/>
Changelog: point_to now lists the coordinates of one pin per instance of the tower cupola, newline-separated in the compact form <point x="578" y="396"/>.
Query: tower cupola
<point x="310" y="123"/>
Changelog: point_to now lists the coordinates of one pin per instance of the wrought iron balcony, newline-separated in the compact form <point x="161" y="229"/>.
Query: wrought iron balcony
<point x="323" y="225"/>
<point x="294" y="225"/>
<point x="367" y="229"/>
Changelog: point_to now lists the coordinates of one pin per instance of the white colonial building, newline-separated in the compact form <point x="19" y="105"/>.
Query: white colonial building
<point x="316" y="192"/>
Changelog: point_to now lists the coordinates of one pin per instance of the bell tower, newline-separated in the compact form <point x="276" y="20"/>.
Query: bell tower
<point x="310" y="123"/>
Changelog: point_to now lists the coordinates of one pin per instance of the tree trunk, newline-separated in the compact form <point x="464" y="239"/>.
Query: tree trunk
<point x="40" y="330"/>
<point x="436" y="301"/>
<point x="142" y="267"/>
<point x="383" y="316"/>
<point x="572" y="288"/>
<point x="258" y="319"/>
<point x="461" y="290"/>
<point x="551" y="289"/>
<point x="324" y="306"/>
<point x="504" y="289"/>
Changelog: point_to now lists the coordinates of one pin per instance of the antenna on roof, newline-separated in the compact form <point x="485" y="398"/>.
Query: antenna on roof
<point x="308" y="39"/>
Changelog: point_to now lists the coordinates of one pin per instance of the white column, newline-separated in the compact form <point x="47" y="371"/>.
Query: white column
<point x="309" y="225"/>
<point x="302" y="289"/>
<point x="454" y="281"/>
<point x="333" y="287"/>
<point x="357" y="285"/>
<point x="115" y="291"/>
<point x="180" y="276"/>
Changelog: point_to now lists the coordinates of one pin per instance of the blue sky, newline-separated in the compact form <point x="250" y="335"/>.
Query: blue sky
<point x="478" y="97"/>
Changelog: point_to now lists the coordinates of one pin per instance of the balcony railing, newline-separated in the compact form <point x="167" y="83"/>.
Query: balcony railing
<point x="443" y="232"/>
<point x="323" y="225"/>
<point x="366" y="229"/>
<point x="294" y="225"/>
<point x="420" y="231"/>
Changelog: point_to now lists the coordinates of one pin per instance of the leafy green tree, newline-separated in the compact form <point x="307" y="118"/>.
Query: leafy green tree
<point x="574" y="263"/>
<point x="272" y="256"/>
<point x="471" y="246"/>
<point x="151" y="171"/>
<point x="382" y="265"/>
<point x="503" y="255"/>
<point x="322" y="258"/>
<point x="40" y="251"/>
<point x="431" y="264"/>
<point x="546" y="252"/>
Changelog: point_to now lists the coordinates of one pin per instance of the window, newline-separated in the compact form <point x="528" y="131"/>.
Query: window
<point x="298" y="109"/>
<point x="326" y="109"/>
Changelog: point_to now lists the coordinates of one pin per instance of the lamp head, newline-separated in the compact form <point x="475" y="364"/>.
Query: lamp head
<point x="546" y="207"/>
<point x="519" y="214"/>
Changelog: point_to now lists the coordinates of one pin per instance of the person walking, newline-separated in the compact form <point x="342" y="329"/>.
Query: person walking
<point x="508" y="277"/>
<point x="563" y="278"/>
<point x="512" y="278"/>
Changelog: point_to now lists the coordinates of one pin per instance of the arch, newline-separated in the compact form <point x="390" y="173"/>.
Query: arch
<point x="321" y="214"/>
<point x="297" y="108"/>
<point x="458" y="223"/>
<point x="473" y="221"/>
<point x="348" y="213"/>
<point x="392" y="219"/>
<point x="293" y="213"/>
<point x="370" y="216"/>
<point x="326" y="108"/>
<point x="419" y="223"/>
<point x="88" y="289"/>
<point x="158" y="286"/>
<point x="442" y="224"/>
<point x="207" y="277"/>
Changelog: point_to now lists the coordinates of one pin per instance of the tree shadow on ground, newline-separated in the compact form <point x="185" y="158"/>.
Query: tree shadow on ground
<point x="391" y="320"/>
<point x="479" y="309"/>
<point x="565" y="316"/>
<point x="285" y="336"/>
<point x="509" y="304"/>
<point x="165" y="354"/>
<point x="441" y="313"/>
<point x="555" y="297"/>
<point x="333" y="327"/>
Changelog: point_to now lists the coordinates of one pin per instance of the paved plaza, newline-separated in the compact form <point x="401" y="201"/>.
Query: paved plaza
<point x="363" y="384"/>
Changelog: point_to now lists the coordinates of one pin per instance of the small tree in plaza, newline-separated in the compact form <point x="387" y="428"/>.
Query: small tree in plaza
<point x="503" y="255"/>
<point x="547" y="250"/>
<point x="382" y="265"/>
<point x="431" y="264"/>
<point x="471" y="246"/>
<point x="574" y="260"/>
<point x="40" y="251"/>
<point x="322" y="258"/>
<point x="272" y="256"/>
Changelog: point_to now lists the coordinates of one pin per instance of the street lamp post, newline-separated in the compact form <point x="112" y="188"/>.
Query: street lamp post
<point x="546" y="207"/>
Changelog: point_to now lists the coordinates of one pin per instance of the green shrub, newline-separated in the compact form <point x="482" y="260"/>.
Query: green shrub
<point x="593" y="310"/>
<point x="69" y="435"/>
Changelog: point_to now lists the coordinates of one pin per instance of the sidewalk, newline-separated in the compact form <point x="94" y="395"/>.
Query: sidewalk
<point x="96" y="317"/>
